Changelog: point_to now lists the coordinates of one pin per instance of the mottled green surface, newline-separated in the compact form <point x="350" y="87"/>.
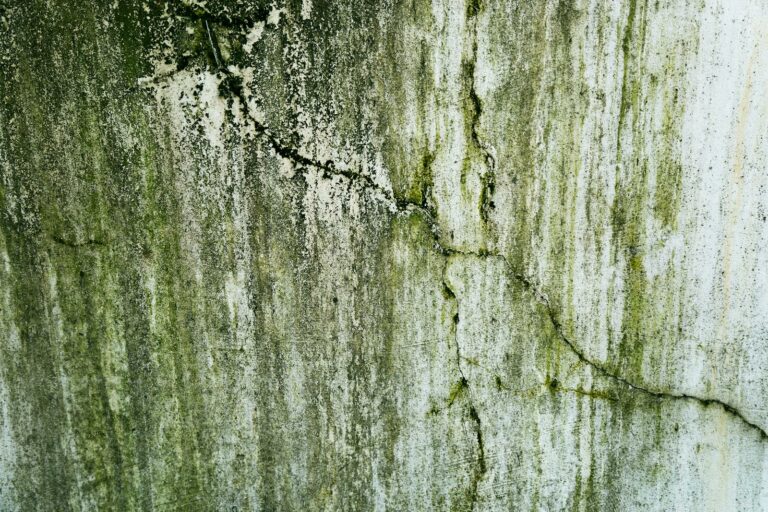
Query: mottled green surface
<point x="323" y="255"/>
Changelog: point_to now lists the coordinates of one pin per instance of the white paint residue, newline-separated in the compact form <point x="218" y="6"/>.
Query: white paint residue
<point x="151" y="286"/>
<point x="306" y="9"/>
<point x="274" y="17"/>
<point x="254" y="36"/>
<point x="240" y="314"/>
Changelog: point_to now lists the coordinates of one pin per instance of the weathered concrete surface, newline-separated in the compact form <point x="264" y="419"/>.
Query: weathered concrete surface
<point x="304" y="255"/>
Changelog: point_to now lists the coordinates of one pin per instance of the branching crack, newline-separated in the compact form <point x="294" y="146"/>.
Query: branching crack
<point x="232" y="84"/>
<point x="601" y="369"/>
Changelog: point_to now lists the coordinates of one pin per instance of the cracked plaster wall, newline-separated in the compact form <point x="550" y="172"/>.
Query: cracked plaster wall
<point x="397" y="255"/>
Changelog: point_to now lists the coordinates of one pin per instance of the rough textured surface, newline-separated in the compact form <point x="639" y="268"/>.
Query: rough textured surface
<point x="395" y="255"/>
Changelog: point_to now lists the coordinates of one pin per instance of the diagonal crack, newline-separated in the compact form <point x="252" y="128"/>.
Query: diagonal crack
<point x="601" y="368"/>
<point x="233" y="83"/>
<point x="231" y="86"/>
<point x="401" y="206"/>
<point x="606" y="372"/>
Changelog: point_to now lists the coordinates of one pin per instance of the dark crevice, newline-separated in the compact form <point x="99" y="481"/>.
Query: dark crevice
<point x="463" y="390"/>
<point x="480" y="446"/>
<point x="605" y="372"/>
<point x="601" y="369"/>
<point x="232" y="85"/>
<point x="223" y="18"/>
<point x="476" y="111"/>
<point x="76" y="245"/>
<point x="301" y="161"/>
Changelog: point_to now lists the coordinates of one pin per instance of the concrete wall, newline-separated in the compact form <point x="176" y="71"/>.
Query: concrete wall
<point x="391" y="255"/>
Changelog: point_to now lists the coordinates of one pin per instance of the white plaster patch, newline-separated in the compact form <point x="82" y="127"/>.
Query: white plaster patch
<point x="306" y="9"/>
<point x="254" y="36"/>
